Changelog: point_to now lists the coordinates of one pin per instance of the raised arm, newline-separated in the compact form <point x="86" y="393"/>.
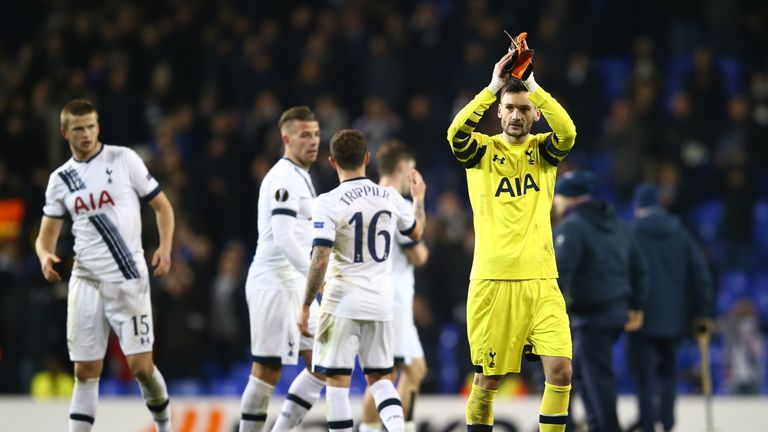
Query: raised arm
<point x="417" y="253"/>
<point x="563" y="136"/>
<point x="161" y="260"/>
<point x="469" y="146"/>
<point x="418" y="192"/>
<point x="45" y="247"/>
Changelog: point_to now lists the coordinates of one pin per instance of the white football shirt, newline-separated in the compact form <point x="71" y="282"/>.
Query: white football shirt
<point x="403" y="279"/>
<point x="358" y="219"/>
<point x="286" y="190"/>
<point x="102" y="195"/>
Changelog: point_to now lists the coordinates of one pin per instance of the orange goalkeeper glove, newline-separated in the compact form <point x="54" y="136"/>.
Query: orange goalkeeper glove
<point x="521" y="64"/>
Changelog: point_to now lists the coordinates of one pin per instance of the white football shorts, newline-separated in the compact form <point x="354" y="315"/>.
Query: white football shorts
<point x="407" y="343"/>
<point x="275" y="336"/>
<point x="94" y="307"/>
<point x="338" y="340"/>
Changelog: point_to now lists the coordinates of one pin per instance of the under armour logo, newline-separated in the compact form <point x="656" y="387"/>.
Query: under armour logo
<point x="143" y="340"/>
<point x="529" y="153"/>
<point x="493" y="361"/>
<point x="109" y="175"/>
<point x="498" y="159"/>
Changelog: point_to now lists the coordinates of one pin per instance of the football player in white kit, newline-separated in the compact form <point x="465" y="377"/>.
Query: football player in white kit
<point x="354" y="228"/>
<point x="276" y="278"/>
<point x="100" y="187"/>
<point x="395" y="162"/>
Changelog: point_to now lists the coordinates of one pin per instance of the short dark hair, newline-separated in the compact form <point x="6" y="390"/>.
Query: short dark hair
<point x="76" y="107"/>
<point x="514" y="85"/>
<point x="390" y="153"/>
<point x="301" y="113"/>
<point x="348" y="148"/>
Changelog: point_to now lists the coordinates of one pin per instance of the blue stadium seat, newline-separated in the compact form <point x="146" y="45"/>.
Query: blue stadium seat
<point x="227" y="386"/>
<point x="614" y="71"/>
<point x="760" y="295"/>
<point x="706" y="219"/>
<point x="111" y="386"/>
<point x="733" y="74"/>
<point x="450" y="381"/>
<point x="733" y="286"/>
<point x="760" y="234"/>
<point x="186" y="387"/>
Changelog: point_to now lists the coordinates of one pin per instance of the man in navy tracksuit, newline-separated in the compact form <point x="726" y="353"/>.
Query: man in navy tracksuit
<point x="678" y="275"/>
<point x="603" y="279"/>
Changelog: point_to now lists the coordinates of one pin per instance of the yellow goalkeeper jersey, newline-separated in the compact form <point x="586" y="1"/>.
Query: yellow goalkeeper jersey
<point x="511" y="188"/>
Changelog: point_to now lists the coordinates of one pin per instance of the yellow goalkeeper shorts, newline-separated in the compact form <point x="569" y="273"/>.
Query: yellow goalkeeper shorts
<point x="503" y="316"/>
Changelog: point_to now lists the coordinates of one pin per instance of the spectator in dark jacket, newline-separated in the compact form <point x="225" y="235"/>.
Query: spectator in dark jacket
<point x="679" y="276"/>
<point x="603" y="279"/>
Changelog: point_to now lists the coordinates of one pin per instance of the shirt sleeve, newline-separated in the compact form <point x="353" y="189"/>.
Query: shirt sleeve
<point x="406" y="220"/>
<point x="54" y="203"/>
<point x="323" y="223"/>
<point x="405" y="242"/>
<point x="283" y="198"/>
<point x="141" y="180"/>
<point x="557" y="144"/>
<point x="469" y="146"/>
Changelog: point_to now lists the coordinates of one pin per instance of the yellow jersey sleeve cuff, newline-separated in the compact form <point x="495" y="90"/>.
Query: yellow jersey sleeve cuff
<point x="539" y="96"/>
<point x="486" y="96"/>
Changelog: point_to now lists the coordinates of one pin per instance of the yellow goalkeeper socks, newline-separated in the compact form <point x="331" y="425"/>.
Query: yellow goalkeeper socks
<point x="480" y="409"/>
<point x="554" y="408"/>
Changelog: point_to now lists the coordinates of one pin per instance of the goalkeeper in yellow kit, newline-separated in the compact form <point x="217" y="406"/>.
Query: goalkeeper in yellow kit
<point x="513" y="298"/>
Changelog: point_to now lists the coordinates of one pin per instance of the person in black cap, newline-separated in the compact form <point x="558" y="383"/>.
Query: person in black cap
<point x="679" y="275"/>
<point x="603" y="279"/>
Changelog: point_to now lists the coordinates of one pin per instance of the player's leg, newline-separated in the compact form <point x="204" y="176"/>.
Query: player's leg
<point x="494" y="318"/>
<point x="87" y="336"/>
<point x="302" y="395"/>
<point x="370" y="419"/>
<point x="153" y="388"/>
<point x="377" y="360"/>
<point x="82" y="409"/>
<point x="550" y="338"/>
<point x="305" y="388"/>
<point x="128" y="307"/>
<point x="274" y="342"/>
<point x="553" y="413"/>
<point x="479" y="411"/>
<point x="336" y="343"/>
<point x="408" y="388"/>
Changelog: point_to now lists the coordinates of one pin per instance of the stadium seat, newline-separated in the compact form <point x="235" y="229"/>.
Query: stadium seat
<point x="227" y="387"/>
<point x="733" y="286"/>
<point x="733" y="73"/>
<point x="111" y="386"/>
<point x="186" y="387"/>
<point x="706" y="219"/>
<point x="760" y="234"/>
<point x="450" y="381"/>
<point x="615" y="71"/>
<point x="760" y="295"/>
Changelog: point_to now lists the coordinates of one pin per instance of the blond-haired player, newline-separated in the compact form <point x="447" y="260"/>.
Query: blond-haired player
<point x="100" y="188"/>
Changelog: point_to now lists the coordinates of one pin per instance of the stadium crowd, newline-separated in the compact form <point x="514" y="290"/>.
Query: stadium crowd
<point x="679" y="99"/>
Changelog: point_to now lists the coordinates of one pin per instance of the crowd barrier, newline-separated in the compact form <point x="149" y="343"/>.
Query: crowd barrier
<point x="434" y="414"/>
